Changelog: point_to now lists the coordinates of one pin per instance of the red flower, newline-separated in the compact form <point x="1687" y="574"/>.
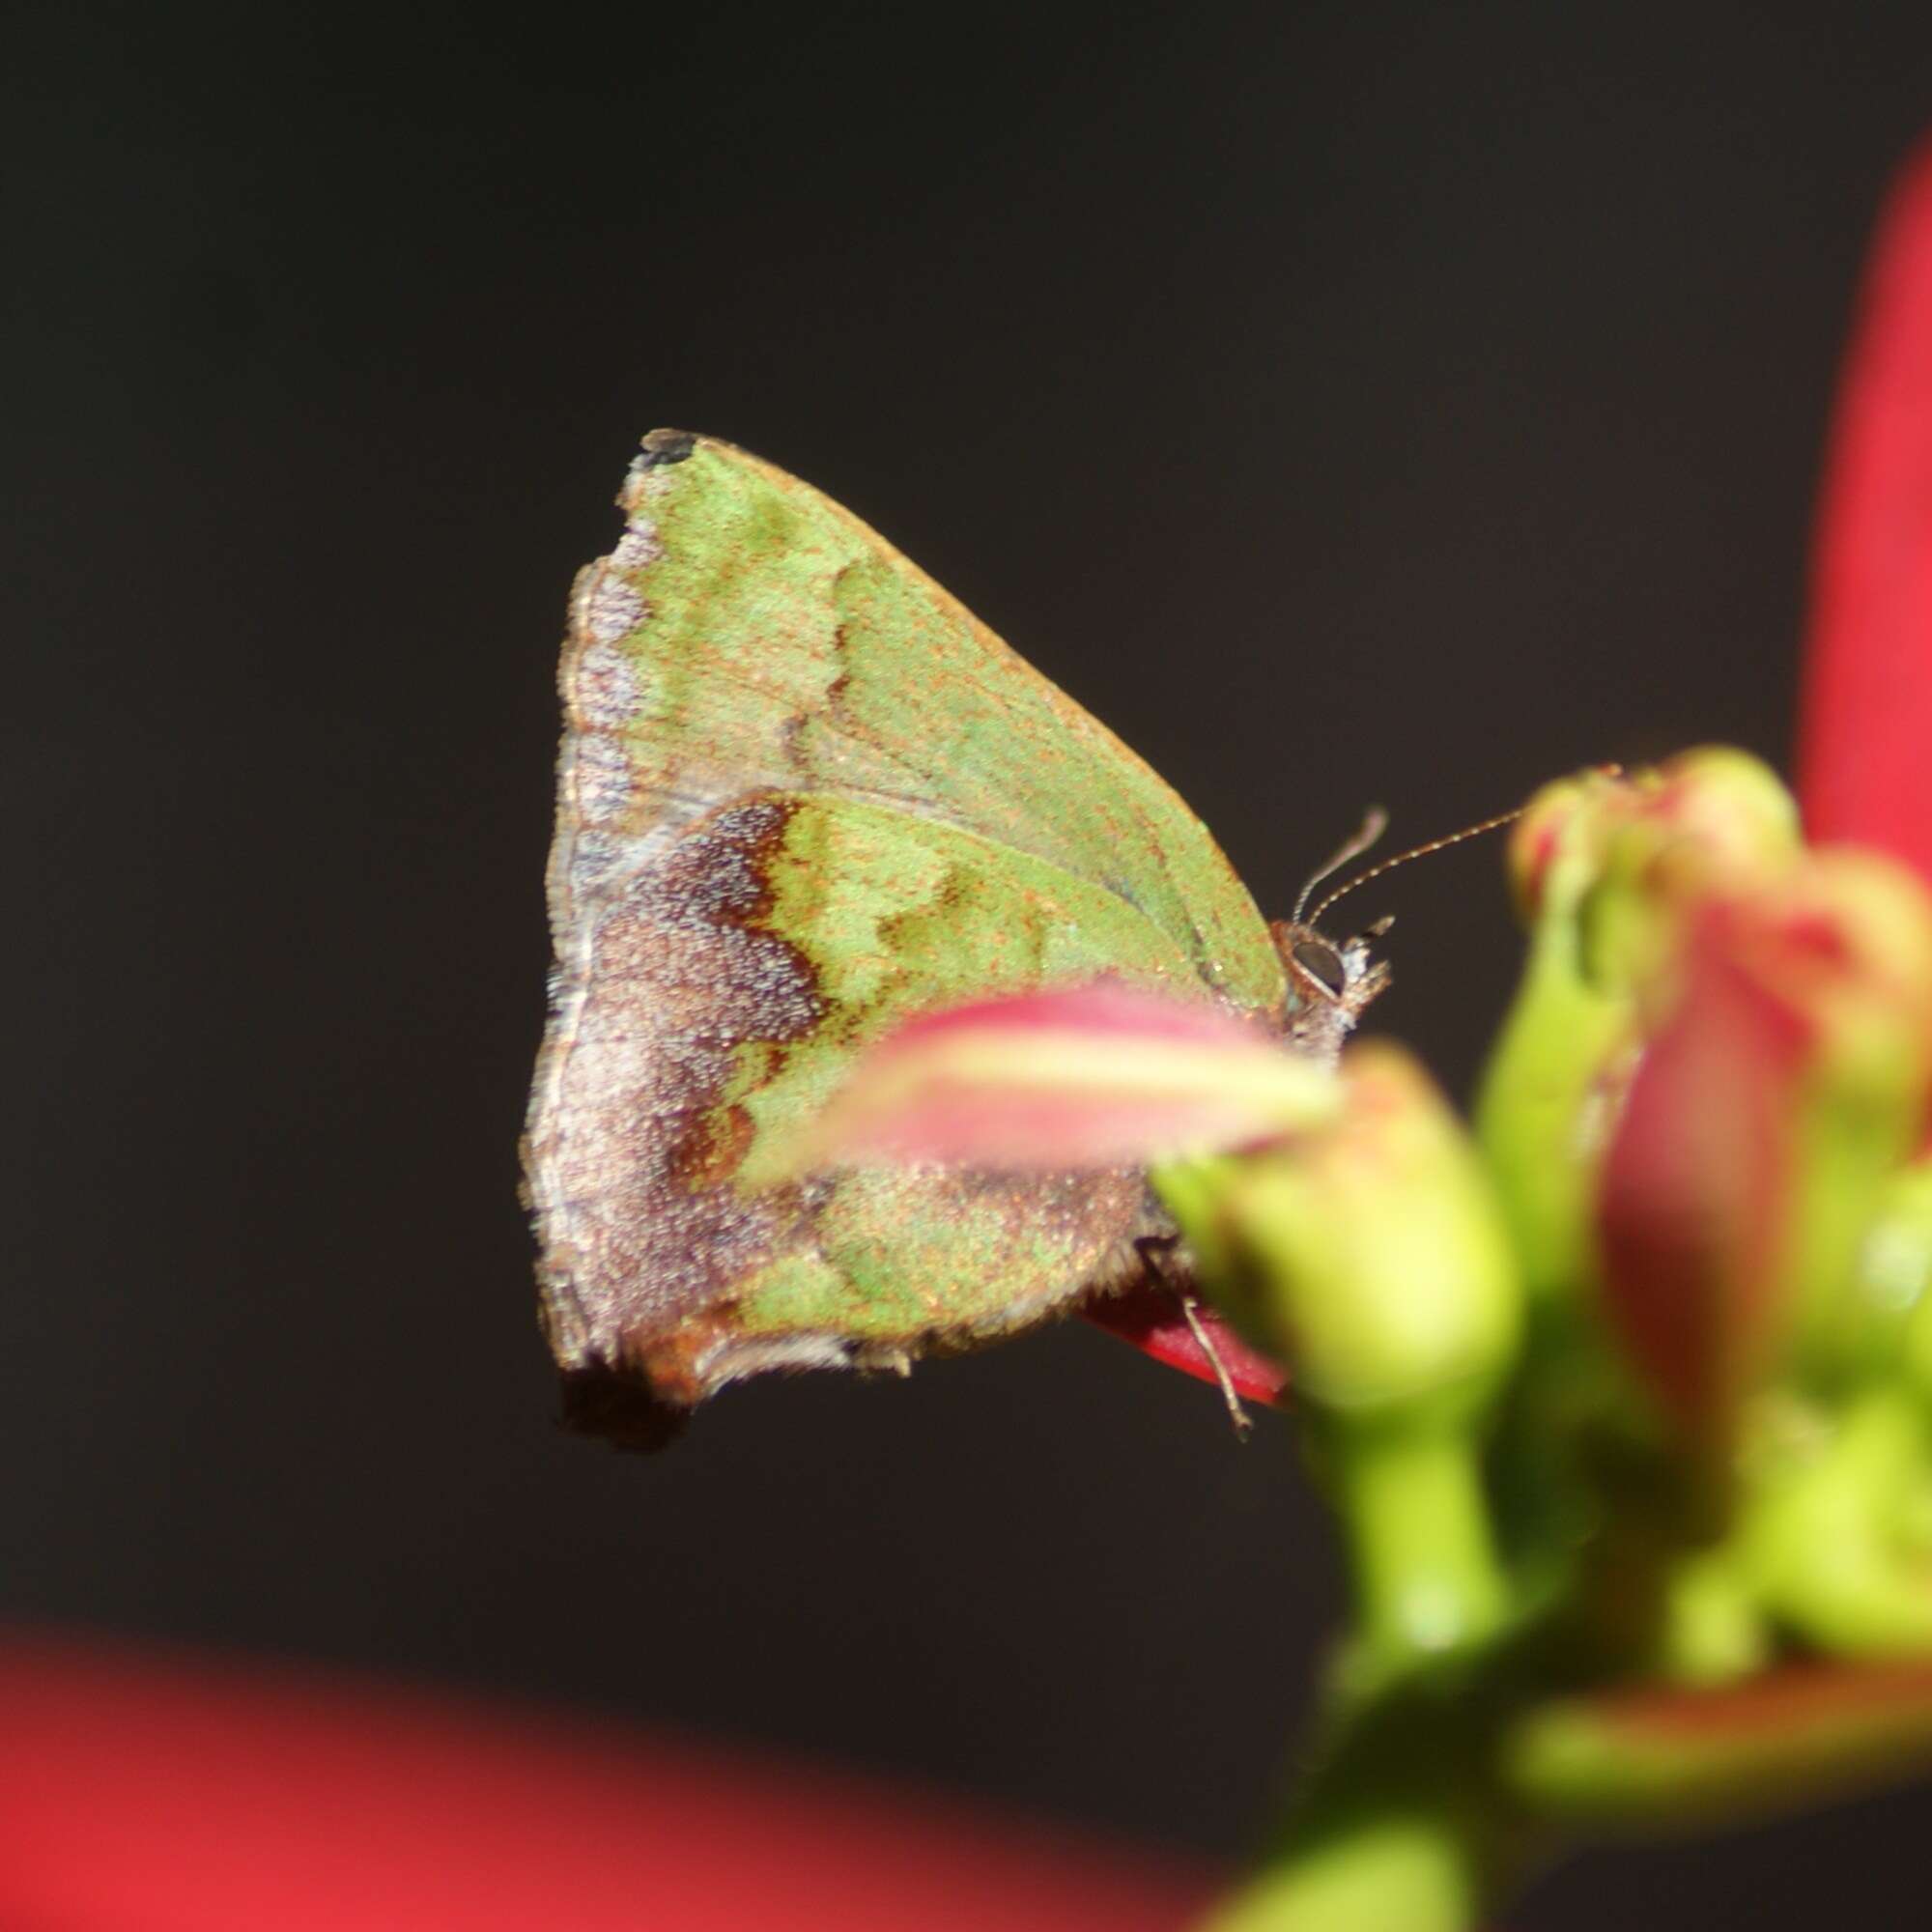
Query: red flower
<point x="1865" y="743"/>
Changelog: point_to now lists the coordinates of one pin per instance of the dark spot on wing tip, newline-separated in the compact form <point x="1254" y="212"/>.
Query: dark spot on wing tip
<point x="666" y="446"/>
<point x="620" y="1408"/>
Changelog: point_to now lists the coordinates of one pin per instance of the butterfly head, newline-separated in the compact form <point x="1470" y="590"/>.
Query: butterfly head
<point x="1328" y="984"/>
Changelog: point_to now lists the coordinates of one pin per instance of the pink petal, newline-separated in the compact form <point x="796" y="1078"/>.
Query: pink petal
<point x="1099" y="1006"/>
<point x="1866" y="717"/>
<point x="1096" y="1076"/>
<point x="1694" y="1183"/>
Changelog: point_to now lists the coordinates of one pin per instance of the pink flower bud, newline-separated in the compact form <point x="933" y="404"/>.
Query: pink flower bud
<point x="1783" y="1083"/>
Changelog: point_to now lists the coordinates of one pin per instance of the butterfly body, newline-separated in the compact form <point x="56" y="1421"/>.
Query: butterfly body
<point x="804" y="795"/>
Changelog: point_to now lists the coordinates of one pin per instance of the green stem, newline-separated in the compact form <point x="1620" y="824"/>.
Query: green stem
<point x="1401" y="1873"/>
<point x="1399" y="1825"/>
<point x="1427" y="1576"/>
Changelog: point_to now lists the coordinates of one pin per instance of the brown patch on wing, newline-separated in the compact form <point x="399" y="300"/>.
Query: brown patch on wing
<point x="627" y="1153"/>
<point x="632" y="1149"/>
<point x="712" y="1149"/>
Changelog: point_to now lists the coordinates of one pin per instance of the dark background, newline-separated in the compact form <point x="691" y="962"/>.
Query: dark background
<point x="1347" y="404"/>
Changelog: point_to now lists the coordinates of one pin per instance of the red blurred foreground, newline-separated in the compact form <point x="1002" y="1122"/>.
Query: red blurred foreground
<point x="1865" y="727"/>
<point x="143" y="1792"/>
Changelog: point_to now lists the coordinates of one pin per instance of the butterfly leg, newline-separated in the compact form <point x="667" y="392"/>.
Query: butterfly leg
<point x="1155" y="1251"/>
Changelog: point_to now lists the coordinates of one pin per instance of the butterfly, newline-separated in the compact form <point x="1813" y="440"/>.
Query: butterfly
<point x="803" y="796"/>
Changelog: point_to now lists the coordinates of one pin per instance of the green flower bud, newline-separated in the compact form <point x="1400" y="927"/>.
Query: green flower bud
<point x="1709" y="814"/>
<point x="1554" y="850"/>
<point x="1711" y="819"/>
<point x="1370" y="1252"/>
<point x="1851" y="951"/>
<point x="1896" y="1271"/>
<point x="1550" y="1089"/>
<point x="1603" y="868"/>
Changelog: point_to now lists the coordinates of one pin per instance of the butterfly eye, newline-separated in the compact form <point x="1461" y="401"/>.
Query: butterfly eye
<point x="1323" y="964"/>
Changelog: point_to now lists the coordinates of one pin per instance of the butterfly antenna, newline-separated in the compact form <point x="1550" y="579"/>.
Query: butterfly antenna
<point x="1402" y="857"/>
<point x="1374" y="823"/>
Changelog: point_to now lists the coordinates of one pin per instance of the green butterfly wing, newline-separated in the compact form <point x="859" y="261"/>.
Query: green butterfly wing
<point x="802" y="795"/>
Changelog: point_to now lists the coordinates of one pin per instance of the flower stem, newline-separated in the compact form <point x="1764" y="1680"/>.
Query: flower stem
<point x="1427" y="1577"/>
<point x="1399" y="1825"/>
<point x="1412" y="1872"/>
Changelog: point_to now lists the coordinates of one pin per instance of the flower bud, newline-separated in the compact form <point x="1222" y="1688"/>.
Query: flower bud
<point x="1783" y="1085"/>
<point x="1609" y="869"/>
<point x="1711" y="819"/>
<point x="1896" y="1273"/>
<point x="1367" y="1252"/>
<point x="1554" y="847"/>
<point x="1550" y="1086"/>
<point x="1664" y="1755"/>
<point x="1711" y="814"/>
